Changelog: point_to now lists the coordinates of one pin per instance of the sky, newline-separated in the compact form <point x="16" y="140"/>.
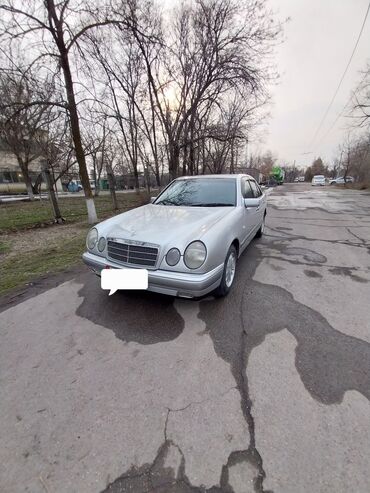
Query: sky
<point x="318" y="41"/>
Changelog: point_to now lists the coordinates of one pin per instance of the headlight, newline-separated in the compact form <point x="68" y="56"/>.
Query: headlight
<point x="173" y="256"/>
<point x="101" y="244"/>
<point x="195" y="254"/>
<point x="92" y="238"/>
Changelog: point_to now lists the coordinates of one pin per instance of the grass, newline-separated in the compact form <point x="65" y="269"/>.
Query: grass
<point x="18" y="270"/>
<point x="23" y="215"/>
<point x="27" y="253"/>
<point x="4" y="247"/>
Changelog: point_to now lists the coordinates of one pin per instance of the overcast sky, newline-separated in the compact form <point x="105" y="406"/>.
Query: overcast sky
<point x="318" y="42"/>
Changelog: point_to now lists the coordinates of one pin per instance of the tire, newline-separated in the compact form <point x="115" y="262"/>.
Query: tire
<point x="226" y="283"/>
<point x="262" y="228"/>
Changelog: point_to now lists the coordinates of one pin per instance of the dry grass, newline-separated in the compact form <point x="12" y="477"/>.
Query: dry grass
<point x="17" y="216"/>
<point x="32" y="245"/>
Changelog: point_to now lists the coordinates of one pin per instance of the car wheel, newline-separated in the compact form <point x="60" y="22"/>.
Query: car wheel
<point x="262" y="228"/>
<point x="333" y="183"/>
<point x="228" y="273"/>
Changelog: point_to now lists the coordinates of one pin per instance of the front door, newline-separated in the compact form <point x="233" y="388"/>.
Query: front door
<point x="250" y="214"/>
<point x="259" y="211"/>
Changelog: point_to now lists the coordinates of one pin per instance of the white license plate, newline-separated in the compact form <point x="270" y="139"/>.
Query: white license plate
<point x="114" y="279"/>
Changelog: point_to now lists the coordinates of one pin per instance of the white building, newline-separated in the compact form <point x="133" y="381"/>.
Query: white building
<point x="11" y="178"/>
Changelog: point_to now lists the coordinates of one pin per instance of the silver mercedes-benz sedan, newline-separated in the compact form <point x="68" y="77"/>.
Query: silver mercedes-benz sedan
<point x="188" y="238"/>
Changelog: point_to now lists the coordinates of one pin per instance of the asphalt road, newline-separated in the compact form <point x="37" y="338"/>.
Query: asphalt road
<point x="265" y="390"/>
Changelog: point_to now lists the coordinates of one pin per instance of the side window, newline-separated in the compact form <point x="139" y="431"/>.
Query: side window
<point x="247" y="192"/>
<point x="256" y="190"/>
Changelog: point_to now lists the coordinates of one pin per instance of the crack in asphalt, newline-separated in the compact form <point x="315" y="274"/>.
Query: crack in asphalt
<point x="334" y="269"/>
<point x="363" y="241"/>
<point x="195" y="403"/>
<point x="235" y="351"/>
<point x="322" y="209"/>
<point x="157" y="477"/>
<point x="279" y="244"/>
<point x="291" y="236"/>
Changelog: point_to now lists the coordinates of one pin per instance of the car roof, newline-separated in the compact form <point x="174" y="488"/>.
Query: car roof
<point x="215" y="177"/>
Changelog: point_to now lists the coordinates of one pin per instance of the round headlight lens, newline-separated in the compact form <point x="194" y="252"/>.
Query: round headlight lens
<point x="173" y="256"/>
<point x="195" y="254"/>
<point x="92" y="238"/>
<point x="101" y="244"/>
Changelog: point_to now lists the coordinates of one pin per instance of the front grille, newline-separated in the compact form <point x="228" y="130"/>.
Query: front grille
<point x="128" y="253"/>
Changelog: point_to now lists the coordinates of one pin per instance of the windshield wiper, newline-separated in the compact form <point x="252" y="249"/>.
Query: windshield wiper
<point x="166" y="202"/>
<point x="211" y="204"/>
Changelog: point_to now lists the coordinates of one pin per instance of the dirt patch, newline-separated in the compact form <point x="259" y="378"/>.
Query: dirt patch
<point x="35" y="239"/>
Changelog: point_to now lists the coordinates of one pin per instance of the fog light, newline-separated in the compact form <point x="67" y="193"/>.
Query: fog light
<point x="101" y="244"/>
<point x="173" y="257"/>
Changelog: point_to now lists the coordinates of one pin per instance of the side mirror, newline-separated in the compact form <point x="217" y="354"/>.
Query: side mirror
<point x="152" y="199"/>
<point x="251" y="203"/>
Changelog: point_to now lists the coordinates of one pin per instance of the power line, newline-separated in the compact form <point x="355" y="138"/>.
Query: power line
<point x="343" y="110"/>
<point x="341" y="79"/>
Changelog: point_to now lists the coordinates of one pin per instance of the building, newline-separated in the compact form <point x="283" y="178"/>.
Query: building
<point x="11" y="178"/>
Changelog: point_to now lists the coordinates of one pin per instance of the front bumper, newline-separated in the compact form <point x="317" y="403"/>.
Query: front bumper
<point x="187" y="285"/>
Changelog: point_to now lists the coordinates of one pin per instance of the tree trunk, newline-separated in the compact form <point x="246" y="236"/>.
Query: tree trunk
<point x="155" y="146"/>
<point x="26" y="178"/>
<point x="112" y="189"/>
<point x="76" y="135"/>
<point x="28" y="183"/>
<point x="232" y="158"/>
<point x="54" y="202"/>
<point x="173" y="165"/>
<point x="147" y="178"/>
<point x="191" y="145"/>
<point x="157" y="174"/>
<point x="136" y="179"/>
<point x="36" y="187"/>
<point x="185" y="159"/>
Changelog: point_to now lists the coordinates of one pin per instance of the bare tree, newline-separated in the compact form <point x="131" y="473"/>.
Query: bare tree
<point x="221" y="138"/>
<point x="218" y="45"/>
<point x="360" y="110"/>
<point x="56" y="30"/>
<point x="56" y="146"/>
<point x="125" y="97"/>
<point x="354" y="158"/>
<point x="22" y="132"/>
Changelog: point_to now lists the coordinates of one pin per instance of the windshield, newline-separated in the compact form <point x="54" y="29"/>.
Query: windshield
<point x="202" y="192"/>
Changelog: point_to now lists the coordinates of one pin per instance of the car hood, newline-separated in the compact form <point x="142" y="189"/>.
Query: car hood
<point x="164" y="224"/>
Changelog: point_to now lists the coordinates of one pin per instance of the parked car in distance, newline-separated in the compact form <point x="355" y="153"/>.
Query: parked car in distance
<point x="318" y="180"/>
<point x="188" y="238"/>
<point x="74" y="186"/>
<point x="340" y="180"/>
<point x="271" y="182"/>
